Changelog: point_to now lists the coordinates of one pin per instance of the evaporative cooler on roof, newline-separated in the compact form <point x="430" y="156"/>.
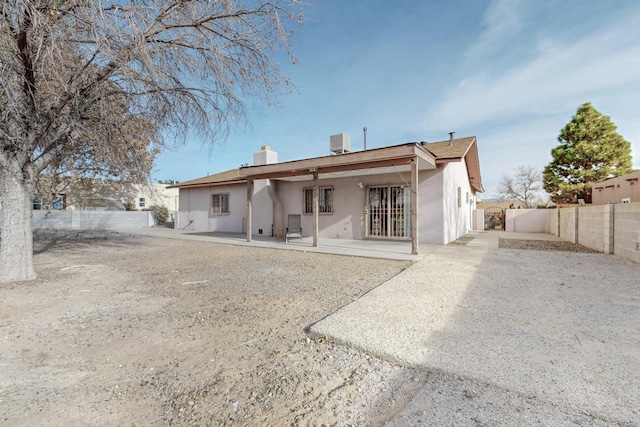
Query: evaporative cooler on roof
<point x="340" y="143"/>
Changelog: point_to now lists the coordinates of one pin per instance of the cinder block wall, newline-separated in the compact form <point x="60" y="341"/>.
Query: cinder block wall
<point x="592" y="224"/>
<point x="54" y="219"/>
<point x="627" y="231"/>
<point x="611" y="229"/>
<point x="92" y="219"/>
<point x="569" y="224"/>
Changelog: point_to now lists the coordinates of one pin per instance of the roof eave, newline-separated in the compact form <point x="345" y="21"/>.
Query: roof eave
<point x="210" y="184"/>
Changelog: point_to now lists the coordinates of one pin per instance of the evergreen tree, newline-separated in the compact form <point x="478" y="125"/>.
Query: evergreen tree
<point x="590" y="151"/>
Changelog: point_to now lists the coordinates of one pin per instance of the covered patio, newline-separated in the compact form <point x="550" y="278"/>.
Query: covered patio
<point x="410" y="157"/>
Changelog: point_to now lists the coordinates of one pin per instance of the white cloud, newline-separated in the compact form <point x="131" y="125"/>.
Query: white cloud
<point x="560" y="74"/>
<point x="502" y="20"/>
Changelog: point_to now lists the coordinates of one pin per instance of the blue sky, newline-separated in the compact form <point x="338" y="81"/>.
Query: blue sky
<point x="510" y="72"/>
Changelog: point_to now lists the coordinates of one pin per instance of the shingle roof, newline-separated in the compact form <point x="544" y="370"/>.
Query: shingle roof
<point x="442" y="149"/>
<point x="227" y="177"/>
<point x="462" y="148"/>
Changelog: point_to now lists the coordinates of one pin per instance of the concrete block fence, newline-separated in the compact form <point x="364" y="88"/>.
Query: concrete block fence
<point x="610" y="229"/>
<point x="84" y="220"/>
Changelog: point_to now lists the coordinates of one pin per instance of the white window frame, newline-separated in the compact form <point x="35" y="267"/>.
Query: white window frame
<point x="220" y="204"/>
<point x="325" y="204"/>
<point x="142" y="202"/>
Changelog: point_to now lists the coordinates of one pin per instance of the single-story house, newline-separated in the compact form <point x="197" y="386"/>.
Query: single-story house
<point x="621" y="189"/>
<point x="418" y="191"/>
<point x="103" y="194"/>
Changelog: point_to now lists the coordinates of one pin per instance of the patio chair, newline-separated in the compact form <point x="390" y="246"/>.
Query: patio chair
<point x="294" y="228"/>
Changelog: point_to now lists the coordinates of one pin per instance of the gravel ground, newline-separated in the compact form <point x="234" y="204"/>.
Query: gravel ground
<point x="544" y="245"/>
<point x="124" y="330"/>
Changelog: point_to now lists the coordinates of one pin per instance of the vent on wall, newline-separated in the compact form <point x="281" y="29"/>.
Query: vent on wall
<point x="340" y="143"/>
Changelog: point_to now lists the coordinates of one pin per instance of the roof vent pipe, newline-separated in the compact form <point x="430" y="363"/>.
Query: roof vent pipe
<point x="451" y="134"/>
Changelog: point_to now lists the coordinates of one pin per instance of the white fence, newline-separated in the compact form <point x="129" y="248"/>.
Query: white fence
<point x="611" y="229"/>
<point x="119" y="220"/>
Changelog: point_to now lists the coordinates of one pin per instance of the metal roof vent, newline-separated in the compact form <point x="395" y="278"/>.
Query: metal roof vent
<point x="340" y="143"/>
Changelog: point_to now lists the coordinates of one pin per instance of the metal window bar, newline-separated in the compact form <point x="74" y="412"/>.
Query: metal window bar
<point x="215" y="204"/>
<point x="389" y="213"/>
<point x="325" y="200"/>
<point x="224" y="203"/>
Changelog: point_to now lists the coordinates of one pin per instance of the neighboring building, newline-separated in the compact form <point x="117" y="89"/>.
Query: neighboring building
<point x="622" y="189"/>
<point x="101" y="194"/>
<point x="361" y="195"/>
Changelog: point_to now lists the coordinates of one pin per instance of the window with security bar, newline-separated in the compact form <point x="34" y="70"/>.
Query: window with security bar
<point x="325" y="200"/>
<point x="389" y="213"/>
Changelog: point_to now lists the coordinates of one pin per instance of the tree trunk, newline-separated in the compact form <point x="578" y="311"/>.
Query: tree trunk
<point x="16" y="229"/>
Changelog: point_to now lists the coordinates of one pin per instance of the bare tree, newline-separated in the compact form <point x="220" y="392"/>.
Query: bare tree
<point x="524" y="186"/>
<point x="99" y="87"/>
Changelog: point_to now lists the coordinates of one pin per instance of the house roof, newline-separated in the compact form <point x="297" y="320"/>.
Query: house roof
<point x="231" y="176"/>
<point x="375" y="160"/>
<point x="355" y="163"/>
<point x="442" y="150"/>
<point x="462" y="148"/>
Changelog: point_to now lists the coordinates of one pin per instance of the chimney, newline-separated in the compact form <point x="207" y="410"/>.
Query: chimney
<point x="451" y="134"/>
<point x="265" y="156"/>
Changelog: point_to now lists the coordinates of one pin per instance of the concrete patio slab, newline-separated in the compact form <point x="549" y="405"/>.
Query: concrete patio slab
<point x="385" y="249"/>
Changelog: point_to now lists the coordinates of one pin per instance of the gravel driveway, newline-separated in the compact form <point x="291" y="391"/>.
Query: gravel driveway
<point x="559" y="327"/>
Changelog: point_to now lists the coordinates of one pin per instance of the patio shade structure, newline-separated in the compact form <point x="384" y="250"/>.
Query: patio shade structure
<point x="411" y="157"/>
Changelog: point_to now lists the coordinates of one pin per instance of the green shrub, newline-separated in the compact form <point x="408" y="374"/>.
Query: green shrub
<point x="162" y="213"/>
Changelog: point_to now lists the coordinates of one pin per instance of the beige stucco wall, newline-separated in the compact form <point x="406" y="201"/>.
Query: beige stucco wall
<point x="158" y="195"/>
<point x="349" y="202"/>
<point x="527" y="220"/>
<point x="440" y="218"/>
<point x="348" y="221"/>
<point x="262" y="207"/>
<point x="195" y="205"/>
<point x="77" y="190"/>
<point x="553" y="221"/>
<point x="478" y="220"/>
<point x="615" y="189"/>
<point x="431" y="207"/>
<point x="627" y="231"/>
<point x="457" y="219"/>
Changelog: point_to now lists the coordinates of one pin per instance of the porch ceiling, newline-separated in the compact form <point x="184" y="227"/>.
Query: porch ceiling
<point x="376" y="161"/>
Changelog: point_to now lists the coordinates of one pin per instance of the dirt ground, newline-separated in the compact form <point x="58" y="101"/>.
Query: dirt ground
<point x="122" y="330"/>
<point x="139" y="331"/>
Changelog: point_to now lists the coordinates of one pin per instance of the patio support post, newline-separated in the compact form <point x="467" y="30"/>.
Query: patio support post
<point x="249" y="203"/>
<point x="414" y="206"/>
<point x="315" y="209"/>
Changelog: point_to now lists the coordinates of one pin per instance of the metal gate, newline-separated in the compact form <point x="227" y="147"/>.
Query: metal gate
<point x="389" y="212"/>
<point x="494" y="219"/>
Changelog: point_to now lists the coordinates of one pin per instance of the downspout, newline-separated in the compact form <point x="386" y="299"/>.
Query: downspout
<point x="272" y="190"/>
